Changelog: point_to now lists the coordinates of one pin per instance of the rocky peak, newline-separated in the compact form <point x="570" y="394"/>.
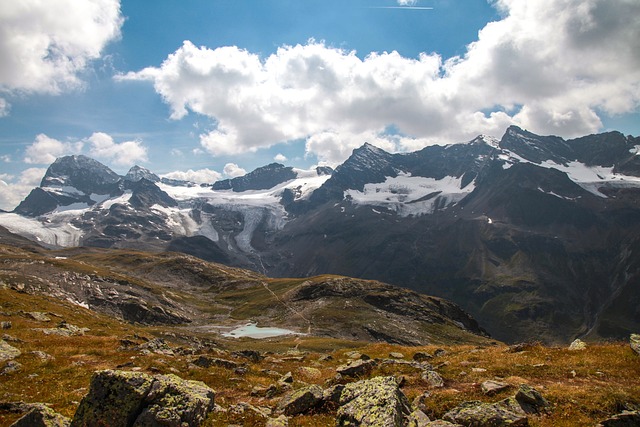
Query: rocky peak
<point x="136" y="173"/>
<point x="536" y="148"/>
<point x="260" y="179"/>
<point x="82" y="173"/>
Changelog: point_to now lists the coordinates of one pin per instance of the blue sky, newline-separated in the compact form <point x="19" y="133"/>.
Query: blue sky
<point x="208" y="89"/>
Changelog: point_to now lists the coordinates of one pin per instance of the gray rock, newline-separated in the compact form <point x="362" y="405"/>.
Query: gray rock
<point x="286" y="378"/>
<point x="377" y="402"/>
<point x="530" y="399"/>
<point x="433" y="379"/>
<point x="5" y="325"/>
<point x="138" y="399"/>
<point x="65" y="329"/>
<point x="41" y="355"/>
<point x="252" y="355"/>
<point x="38" y="316"/>
<point x="8" y="352"/>
<point x="577" y="344"/>
<point x="331" y="396"/>
<point x="281" y="421"/>
<point x="442" y="423"/>
<point x="418" y="419"/>
<point x="11" y="367"/>
<point x="623" y="419"/>
<point x="301" y="401"/>
<point x="491" y="387"/>
<point x="422" y="356"/>
<point x="42" y="416"/>
<point x="207" y="362"/>
<point x="634" y="342"/>
<point x="479" y="414"/>
<point x="396" y="355"/>
<point x="356" y="368"/>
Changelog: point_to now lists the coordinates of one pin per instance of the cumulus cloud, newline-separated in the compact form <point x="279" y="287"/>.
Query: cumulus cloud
<point x="201" y="176"/>
<point x="407" y="2"/>
<point x="232" y="170"/>
<point x="552" y="66"/>
<point x="280" y="158"/>
<point x="46" y="44"/>
<point x="5" y="107"/>
<point x="124" y="153"/>
<point x="45" y="150"/>
<point x="15" y="189"/>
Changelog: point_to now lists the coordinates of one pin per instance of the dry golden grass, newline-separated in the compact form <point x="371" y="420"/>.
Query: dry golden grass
<point x="583" y="387"/>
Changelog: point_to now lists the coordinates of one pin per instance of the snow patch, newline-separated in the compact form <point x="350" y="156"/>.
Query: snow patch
<point x="55" y="230"/>
<point x="412" y="195"/>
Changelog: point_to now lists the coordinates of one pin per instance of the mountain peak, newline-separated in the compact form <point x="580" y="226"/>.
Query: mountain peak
<point x="136" y="173"/>
<point x="80" y="172"/>
<point x="260" y="179"/>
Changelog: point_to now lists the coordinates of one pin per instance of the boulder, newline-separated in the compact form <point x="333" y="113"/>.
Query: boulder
<point x="38" y="316"/>
<point x="422" y="356"/>
<point x="281" y="421"/>
<point x="441" y="423"/>
<point x="207" y="362"/>
<point x="301" y="401"/>
<point x="42" y="416"/>
<point x="5" y="325"/>
<point x="623" y="419"/>
<point x="433" y="379"/>
<point x="356" y="368"/>
<point x="530" y="400"/>
<point x="8" y="352"/>
<point x="11" y="367"/>
<point x="479" y="414"/>
<point x="577" y="344"/>
<point x="418" y="419"/>
<point x="491" y="387"/>
<point x="138" y="399"/>
<point x="252" y="355"/>
<point x="634" y="342"/>
<point x="396" y="355"/>
<point x="375" y="402"/>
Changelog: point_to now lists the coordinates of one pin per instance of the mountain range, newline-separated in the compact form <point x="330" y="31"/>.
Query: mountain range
<point x="537" y="237"/>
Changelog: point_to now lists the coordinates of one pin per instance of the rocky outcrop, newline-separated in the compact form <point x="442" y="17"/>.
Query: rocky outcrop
<point x="356" y="368"/>
<point x="512" y="411"/>
<point x="8" y="352"/>
<point x="138" y="399"/>
<point x="577" y="344"/>
<point x="634" y="342"/>
<point x="377" y="402"/>
<point x="42" y="416"/>
<point x="623" y="419"/>
<point x="301" y="401"/>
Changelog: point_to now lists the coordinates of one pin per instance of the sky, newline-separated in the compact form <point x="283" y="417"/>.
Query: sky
<point x="210" y="89"/>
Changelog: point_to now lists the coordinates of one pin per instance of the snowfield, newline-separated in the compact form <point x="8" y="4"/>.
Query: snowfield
<point x="412" y="195"/>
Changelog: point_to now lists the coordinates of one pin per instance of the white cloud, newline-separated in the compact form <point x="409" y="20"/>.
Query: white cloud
<point x="5" y="158"/>
<point x="232" y="170"/>
<point x="551" y="66"/>
<point x="280" y="158"/>
<point x="5" y="107"/>
<point x="201" y="176"/>
<point x="46" y="44"/>
<point x="103" y="146"/>
<point x="45" y="150"/>
<point x="13" y="190"/>
<point x="407" y="2"/>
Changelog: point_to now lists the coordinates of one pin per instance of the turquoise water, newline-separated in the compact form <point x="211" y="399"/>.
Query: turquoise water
<point x="251" y="330"/>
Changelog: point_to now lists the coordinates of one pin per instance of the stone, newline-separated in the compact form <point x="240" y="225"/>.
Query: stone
<point x="5" y="325"/>
<point x="207" y="362"/>
<point x="65" y="329"/>
<point x="442" y="423"/>
<point x="157" y="346"/>
<point x="439" y="352"/>
<point x="419" y="401"/>
<point x="422" y="356"/>
<point x="376" y="402"/>
<point x="8" y="352"/>
<point x="38" y="316"/>
<point x="42" y="416"/>
<point x="634" y="342"/>
<point x="491" y="387"/>
<point x="433" y="379"/>
<point x="418" y="419"/>
<point x="396" y="355"/>
<point x="301" y="401"/>
<point x="41" y="355"/>
<point x="530" y="399"/>
<point x="577" y="344"/>
<point x="287" y="378"/>
<point x="252" y="355"/>
<point x="623" y="419"/>
<point x="331" y="396"/>
<point x="137" y="399"/>
<point x="353" y="355"/>
<point x="310" y="372"/>
<point x="356" y="368"/>
<point x="11" y="367"/>
<point x="481" y="414"/>
<point x="281" y="421"/>
<point x="478" y="370"/>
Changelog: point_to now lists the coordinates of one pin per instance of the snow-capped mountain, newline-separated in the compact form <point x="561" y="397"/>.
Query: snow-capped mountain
<point x="537" y="236"/>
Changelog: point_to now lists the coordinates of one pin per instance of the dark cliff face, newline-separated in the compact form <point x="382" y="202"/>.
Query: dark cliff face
<point x="82" y="173"/>
<point x="260" y="179"/>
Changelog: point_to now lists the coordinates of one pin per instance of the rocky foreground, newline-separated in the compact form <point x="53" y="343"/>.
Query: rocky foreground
<point x="63" y="365"/>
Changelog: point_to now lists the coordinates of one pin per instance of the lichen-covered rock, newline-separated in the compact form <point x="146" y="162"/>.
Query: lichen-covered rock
<point x="624" y="419"/>
<point x="442" y="423"/>
<point x="11" y="367"/>
<point x="301" y="401"/>
<point x="634" y="342"/>
<point x="207" y="362"/>
<point x="433" y="379"/>
<point x="479" y="414"/>
<point x="8" y="352"/>
<point x="375" y="402"/>
<point x="421" y="356"/>
<point x="577" y="344"/>
<point x="175" y="402"/>
<point x="42" y="416"/>
<point x="38" y="316"/>
<point x="137" y="399"/>
<point x="530" y="399"/>
<point x="356" y="368"/>
<point x="418" y="419"/>
<point x="281" y="421"/>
